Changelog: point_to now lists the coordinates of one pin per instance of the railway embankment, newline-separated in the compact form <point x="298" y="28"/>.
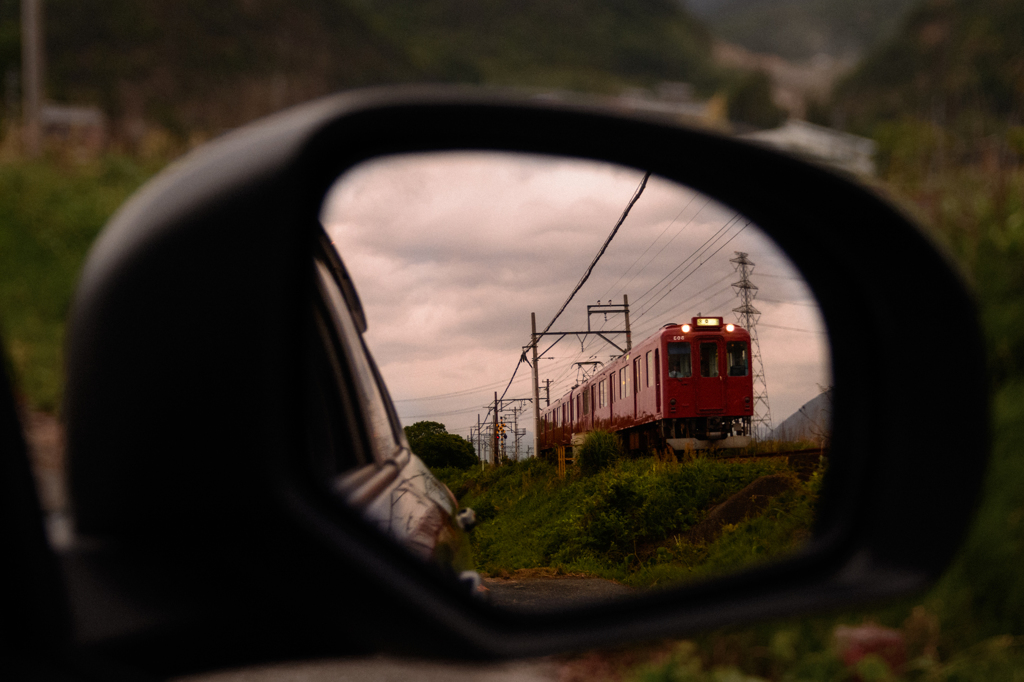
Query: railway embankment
<point x="641" y="522"/>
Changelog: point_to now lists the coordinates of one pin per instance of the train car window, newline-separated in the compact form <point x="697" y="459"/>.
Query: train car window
<point x="586" y="403"/>
<point x="709" y="359"/>
<point x="679" y="365"/>
<point x="636" y="375"/>
<point x="736" y="358"/>
<point x="650" y="366"/>
<point x="657" y="380"/>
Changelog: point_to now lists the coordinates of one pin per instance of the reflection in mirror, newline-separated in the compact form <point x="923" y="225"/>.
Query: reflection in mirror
<point x="610" y="382"/>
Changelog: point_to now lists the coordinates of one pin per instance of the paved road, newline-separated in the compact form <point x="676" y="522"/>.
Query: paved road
<point x="546" y="593"/>
<point x="386" y="669"/>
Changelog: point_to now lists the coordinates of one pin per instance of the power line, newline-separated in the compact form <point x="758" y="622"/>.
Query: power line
<point x="809" y="304"/>
<point x="780" y="276"/>
<point x="651" y="245"/>
<point x="586" y="275"/>
<point x="475" y="408"/>
<point x="453" y="394"/>
<point x="793" y="329"/>
<point x="686" y="261"/>
<point x="689" y="274"/>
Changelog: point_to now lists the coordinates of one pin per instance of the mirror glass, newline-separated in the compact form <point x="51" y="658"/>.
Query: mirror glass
<point x="611" y="382"/>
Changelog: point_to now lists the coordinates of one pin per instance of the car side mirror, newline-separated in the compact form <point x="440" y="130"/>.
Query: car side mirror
<point x="201" y="513"/>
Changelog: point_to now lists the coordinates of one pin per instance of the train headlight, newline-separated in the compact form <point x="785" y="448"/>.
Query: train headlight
<point x="730" y="327"/>
<point x="685" y="328"/>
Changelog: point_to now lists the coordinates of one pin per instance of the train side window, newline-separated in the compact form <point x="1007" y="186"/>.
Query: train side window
<point x="603" y="390"/>
<point x="586" y="402"/>
<point x="611" y="388"/>
<point x="709" y="359"/>
<point x="650" y="366"/>
<point x="679" y="365"/>
<point x="636" y="375"/>
<point x="736" y="358"/>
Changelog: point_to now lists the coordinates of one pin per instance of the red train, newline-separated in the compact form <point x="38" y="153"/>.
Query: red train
<point x="688" y="386"/>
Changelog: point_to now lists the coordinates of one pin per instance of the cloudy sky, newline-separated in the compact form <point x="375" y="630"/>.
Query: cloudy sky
<point x="451" y="252"/>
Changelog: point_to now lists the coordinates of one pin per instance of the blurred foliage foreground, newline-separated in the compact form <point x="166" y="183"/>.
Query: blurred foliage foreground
<point x="968" y="627"/>
<point x="50" y="213"/>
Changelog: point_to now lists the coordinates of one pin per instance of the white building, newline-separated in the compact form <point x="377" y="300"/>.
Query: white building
<point x="818" y="143"/>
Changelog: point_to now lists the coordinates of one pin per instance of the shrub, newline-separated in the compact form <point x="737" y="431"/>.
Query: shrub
<point x="599" y="449"/>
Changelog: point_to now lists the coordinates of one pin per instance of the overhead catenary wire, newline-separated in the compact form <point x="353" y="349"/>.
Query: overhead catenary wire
<point x="697" y="252"/>
<point x="792" y="329"/>
<point x="586" y="275"/>
<point x="604" y="247"/>
<point x="651" y="245"/>
<point x="453" y="394"/>
<point x="675" y="282"/>
<point x="689" y="274"/>
<point x="686" y="262"/>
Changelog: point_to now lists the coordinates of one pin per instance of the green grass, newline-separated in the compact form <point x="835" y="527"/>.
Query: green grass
<point x="50" y="213"/>
<point x="970" y="625"/>
<point x="627" y="522"/>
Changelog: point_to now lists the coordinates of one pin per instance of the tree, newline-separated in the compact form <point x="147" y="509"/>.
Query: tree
<point x="750" y="102"/>
<point x="432" y="443"/>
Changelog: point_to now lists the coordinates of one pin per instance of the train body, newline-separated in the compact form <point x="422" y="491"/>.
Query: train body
<point x="688" y="386"/>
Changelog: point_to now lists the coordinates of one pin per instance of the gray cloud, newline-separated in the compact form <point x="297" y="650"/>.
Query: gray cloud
<point x="452" y="252"/>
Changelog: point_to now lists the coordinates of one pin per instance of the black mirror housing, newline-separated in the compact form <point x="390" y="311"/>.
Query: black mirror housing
<point x="185" y="430"/>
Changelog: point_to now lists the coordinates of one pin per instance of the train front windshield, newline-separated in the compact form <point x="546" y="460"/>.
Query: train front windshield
<point x="679" y="359"/>
<point x="736" y="358"/>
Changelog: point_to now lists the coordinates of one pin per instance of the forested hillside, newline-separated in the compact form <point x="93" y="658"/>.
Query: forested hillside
<point x="193" y="65"/>
<point x="801" y="29"/>
<point x="587" y="44"/>
<point x="955" y="64"/>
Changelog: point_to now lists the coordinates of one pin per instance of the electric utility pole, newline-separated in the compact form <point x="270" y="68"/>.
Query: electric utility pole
<point x="598" y="309"/>
<point x="536" y="383"/>
<point x="32" y="75"/>
<point x="496" y="435"/>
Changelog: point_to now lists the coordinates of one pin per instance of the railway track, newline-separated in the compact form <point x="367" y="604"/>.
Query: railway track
<point x="803" y="462"/>
<point x="813" y="452"/>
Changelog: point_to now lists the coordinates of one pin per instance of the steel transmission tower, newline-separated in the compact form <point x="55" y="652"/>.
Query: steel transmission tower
<point x="747" y="316"/>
